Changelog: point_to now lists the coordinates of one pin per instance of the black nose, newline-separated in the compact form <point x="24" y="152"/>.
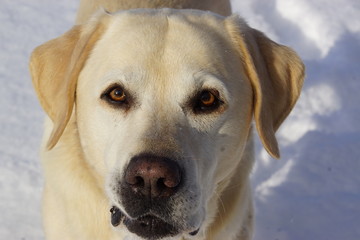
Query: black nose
<point x="153" y="176"/>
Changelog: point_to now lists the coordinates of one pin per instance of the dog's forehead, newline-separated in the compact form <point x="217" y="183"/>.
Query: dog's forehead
<point x="158" y="41"/>
<point x="167" y="22"/>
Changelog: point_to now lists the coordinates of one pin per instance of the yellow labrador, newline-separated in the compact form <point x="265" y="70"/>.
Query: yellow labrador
<point x="150" y="114"/>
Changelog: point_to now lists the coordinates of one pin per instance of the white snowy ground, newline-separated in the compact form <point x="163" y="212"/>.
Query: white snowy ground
<point x="312" y="193"/>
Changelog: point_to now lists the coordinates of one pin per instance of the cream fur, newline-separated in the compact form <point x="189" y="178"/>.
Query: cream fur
<point x="161" y="57"/>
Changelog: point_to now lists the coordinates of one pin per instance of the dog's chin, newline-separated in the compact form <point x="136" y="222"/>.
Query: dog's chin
<point x="149" y="227"/>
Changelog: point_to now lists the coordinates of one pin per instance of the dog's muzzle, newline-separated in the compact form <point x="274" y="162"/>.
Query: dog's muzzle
<point x="148" y="186"/>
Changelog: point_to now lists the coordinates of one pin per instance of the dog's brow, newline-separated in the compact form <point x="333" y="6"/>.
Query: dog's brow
<point x="204" y="79"/>
<point x="122" y="76"/>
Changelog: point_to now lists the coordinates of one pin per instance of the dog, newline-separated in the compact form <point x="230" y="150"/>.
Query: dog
<point x="150" y="107"/>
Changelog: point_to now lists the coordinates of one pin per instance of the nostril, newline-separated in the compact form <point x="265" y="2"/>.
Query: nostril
<point x="139" y="182"/>
<point x="134" y="179"/>
<point x="160" y="184"/>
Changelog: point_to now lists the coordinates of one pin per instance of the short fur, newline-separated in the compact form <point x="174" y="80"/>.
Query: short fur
<point x="162" y="58"/>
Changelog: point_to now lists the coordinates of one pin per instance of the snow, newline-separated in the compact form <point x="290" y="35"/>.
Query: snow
<point x="313" y="192"/>
<point x="320" y="18"/>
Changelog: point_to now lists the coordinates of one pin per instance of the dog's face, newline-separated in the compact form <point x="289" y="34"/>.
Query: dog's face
<point x="164" y="104"/>
<point x="161" y="102"/>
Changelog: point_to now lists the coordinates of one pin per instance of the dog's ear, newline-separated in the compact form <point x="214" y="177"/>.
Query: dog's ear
<point x="276" y="74"/>
<point x="55" y="67"/>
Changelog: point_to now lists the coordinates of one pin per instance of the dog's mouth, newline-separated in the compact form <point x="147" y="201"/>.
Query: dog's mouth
<point x="148" y="226"/>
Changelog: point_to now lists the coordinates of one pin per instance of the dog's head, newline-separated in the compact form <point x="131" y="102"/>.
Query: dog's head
<point x="164" y="101"/>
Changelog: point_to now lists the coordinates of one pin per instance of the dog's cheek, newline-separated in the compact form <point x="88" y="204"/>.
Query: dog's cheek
<point x="228" y="156"/>
<point x="233" y="135"/>
<point x="93" y="134"/>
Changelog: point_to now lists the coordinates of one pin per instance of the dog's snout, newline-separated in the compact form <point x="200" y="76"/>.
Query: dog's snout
<point x="153" y="176"/>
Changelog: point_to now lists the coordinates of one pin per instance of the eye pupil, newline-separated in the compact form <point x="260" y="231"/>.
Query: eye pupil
<point x="118" y="92"/>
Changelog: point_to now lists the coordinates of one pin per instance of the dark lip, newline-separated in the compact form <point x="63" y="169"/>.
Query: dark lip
<point x="116" y="216"/>
<point x="149" y="227"/>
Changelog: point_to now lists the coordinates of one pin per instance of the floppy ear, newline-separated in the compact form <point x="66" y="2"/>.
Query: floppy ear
<point x="55" y="67"/>
<point x="276" y="74"/>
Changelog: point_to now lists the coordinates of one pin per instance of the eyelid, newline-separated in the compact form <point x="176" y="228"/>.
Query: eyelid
<point x="111" y="87"/>
<point x="216" y="93"/>
<point x="212" y="81"/>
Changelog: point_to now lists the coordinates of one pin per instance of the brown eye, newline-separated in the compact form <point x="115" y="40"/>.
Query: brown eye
<point x="207" y="98"/>
<point x="117" y="95"/>
<point x="207" y="101"/>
